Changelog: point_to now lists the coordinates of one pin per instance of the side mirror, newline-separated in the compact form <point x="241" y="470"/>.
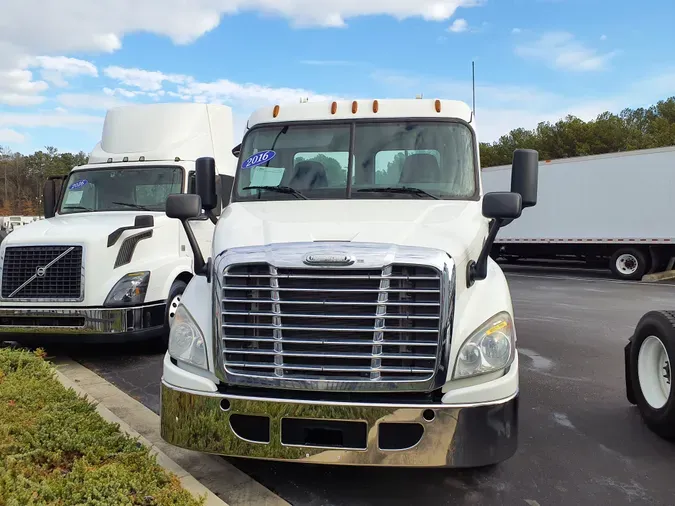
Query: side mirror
<point x="182" y="206"/>
<point x="236" y="151"/>
<point x="185" y="207"/>
<point x="525" y="175"/>
<point x="49" y="198"/>
<point x="502" y="205"/>
<point x="205" y="182"/>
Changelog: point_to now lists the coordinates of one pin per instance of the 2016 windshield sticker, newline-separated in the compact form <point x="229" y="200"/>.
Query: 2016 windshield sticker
<point x="78" y="185"/>
<point x="258" y="159"/>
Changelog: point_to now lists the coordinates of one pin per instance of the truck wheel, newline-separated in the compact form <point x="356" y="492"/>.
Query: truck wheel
<point x="651" y="373"/>
<point x="628" y="263"/>
<point x="172" y="303"/>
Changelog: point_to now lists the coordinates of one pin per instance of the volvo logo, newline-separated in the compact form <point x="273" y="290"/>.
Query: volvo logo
<point x="40" y="272"/>
<point x="328" y="259"/>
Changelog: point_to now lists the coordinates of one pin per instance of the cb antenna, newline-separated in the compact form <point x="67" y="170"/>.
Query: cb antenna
<point x="473" y="93"/>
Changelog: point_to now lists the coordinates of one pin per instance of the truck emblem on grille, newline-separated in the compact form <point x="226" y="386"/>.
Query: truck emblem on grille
<point x="328" y="259"/>
<point x="40" y="272"/>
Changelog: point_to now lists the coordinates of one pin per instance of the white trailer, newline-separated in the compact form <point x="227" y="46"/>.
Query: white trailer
<point x="611" y="209"/>
<point x="349" y="312"/>
<point x="107" y="265"/>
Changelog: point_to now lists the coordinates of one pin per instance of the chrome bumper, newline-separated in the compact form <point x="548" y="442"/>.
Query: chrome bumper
<point x="82" y="322"/>
<point x="442" y="435"/>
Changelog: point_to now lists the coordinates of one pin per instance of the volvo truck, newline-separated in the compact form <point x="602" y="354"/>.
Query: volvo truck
<point x="107" y="265"/>
<point x="348" y="311"/>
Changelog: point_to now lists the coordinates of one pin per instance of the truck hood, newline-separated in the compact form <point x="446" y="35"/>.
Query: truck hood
<point x="81" y="228"/>
<point x="456" y="227"/>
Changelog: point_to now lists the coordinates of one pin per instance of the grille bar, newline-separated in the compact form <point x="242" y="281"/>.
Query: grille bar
<point x="51" y="273"/>
<point x="343" y="324"/>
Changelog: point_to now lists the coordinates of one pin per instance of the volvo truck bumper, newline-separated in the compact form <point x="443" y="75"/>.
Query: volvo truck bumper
<point x="348" y="433"/>
<point x="97" y="325"/>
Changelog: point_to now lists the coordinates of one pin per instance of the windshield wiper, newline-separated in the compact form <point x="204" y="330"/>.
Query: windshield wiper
<point x="279" y="189"/>
<point x="400" y="189"/>
<point x="79" y="207"/>
<point x="135" y="206"/>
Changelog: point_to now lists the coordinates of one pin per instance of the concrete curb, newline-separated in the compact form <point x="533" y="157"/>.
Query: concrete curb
<point x="201" y="474"/>
<point x="658" y="276"/>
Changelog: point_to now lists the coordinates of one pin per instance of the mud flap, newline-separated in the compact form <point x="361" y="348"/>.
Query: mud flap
<point x="630" y="393"/>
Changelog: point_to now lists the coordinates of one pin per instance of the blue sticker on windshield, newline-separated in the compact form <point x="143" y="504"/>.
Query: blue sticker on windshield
<point x="78" y="185"/>
<point x="258" y="159"/>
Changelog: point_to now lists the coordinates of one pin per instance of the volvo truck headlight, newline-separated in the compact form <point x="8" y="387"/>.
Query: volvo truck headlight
<point x="490" y="348"/>
<point x="129" y="291"/>
<point x="186" y="341"/>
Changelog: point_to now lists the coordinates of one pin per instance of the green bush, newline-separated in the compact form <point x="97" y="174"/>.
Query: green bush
<point x="56" y="450"/>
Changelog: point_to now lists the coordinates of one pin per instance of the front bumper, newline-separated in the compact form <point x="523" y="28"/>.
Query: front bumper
<point x="82" y="324"/>
<point x="347" y="433"/>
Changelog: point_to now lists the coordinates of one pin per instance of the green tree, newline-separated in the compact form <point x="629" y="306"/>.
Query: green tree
<point x="336" y="174"/>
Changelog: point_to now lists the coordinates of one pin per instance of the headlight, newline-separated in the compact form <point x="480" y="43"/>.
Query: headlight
<point x="129" y="291"/>
<point x="490" y="348"/>
<point x="186" y="341"/>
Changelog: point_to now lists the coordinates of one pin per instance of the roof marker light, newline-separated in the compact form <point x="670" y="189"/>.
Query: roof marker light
<point x="177" y="159"/>
<point x="141" y="159"/>
<point x="376" y="106"/>
<point x="125" y="159"/>
<point x="109" y="160"/>
<point x="275" y="112"/>
<point x="333" y="108"/>
<point x="438" y="106"/>
<point x="355" y="107"/>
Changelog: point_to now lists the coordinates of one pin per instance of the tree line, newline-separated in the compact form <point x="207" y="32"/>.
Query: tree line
<point x="22" y="178"/>
<point x="631" y="129"/>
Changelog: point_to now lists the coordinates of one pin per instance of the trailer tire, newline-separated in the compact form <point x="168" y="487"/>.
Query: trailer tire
<point x="651" y="354"/>
<point x="628" y="263"/>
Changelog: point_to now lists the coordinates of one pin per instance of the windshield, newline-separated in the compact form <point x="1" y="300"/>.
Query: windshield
<point x="121" y="189"/>
<point x="401" y="160"/>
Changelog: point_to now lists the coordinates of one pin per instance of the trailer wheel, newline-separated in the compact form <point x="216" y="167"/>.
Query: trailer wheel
<point x="628" y="263"/>
<point x="651" y="356"/>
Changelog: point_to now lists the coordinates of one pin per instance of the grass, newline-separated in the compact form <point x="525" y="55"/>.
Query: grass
<point x="56" y="450"/>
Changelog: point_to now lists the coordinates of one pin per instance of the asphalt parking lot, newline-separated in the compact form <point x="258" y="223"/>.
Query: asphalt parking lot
<point x="580" y="440"/>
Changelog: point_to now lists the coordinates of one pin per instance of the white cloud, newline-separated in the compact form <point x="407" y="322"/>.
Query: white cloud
<point x="459" y="25"/>
<point x="516" y="30"/>
<point x="146" y="80"/>
<point x="603" y="37"/>
<point x="17" y="88"/>
<point x="33" y="120"/>
<point x="11" y="136"/>
<point x="89" y="101"/>
<point x="55" y="69"/>
<point x="560" y="50"/>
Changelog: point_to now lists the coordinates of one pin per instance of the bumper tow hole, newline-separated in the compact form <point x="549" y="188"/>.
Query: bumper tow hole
<point x="225" y="405"/>
<point x="255" y="429"/>
<point x="429" y="415"/>
<point x="399" y="436"/>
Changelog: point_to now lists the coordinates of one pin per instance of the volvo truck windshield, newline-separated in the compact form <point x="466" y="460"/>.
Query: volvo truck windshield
<point x="121" y="189"/>
<point x="397" y="159"/>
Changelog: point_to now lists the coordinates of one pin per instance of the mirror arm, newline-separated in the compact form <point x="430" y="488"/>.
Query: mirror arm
<point x="477" y="271"/>
<point x="211" y="216"/>
<point x="200" y="265"/>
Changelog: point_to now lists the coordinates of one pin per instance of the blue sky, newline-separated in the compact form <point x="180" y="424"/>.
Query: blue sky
<point x="536" y="60"/>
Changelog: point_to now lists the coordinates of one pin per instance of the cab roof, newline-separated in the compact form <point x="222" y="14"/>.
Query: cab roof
<point x="362" y="109"/>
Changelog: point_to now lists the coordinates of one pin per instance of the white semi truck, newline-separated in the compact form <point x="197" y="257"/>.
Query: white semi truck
<point x="348" y="311"/>
<point x="608" y="209"/>
<point x="107" y="265"/>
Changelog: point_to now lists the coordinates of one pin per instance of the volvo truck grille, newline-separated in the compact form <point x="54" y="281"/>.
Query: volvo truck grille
<point x="42" y="273"/>
<point x="332" y="324"/>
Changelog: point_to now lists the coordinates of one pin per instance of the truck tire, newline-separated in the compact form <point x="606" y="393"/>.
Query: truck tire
<point x="172" y="303"/>
<point x="628" y="263"/>
<point x="651" y="354"/>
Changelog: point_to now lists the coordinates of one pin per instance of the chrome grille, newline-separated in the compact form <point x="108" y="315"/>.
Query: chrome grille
<point x="60" y="280"/>
<point x="340" y="324"/>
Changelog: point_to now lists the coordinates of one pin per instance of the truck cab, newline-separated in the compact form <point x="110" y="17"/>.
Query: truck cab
<point x="107" y="265"/>
<point x="348" y="311"/>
